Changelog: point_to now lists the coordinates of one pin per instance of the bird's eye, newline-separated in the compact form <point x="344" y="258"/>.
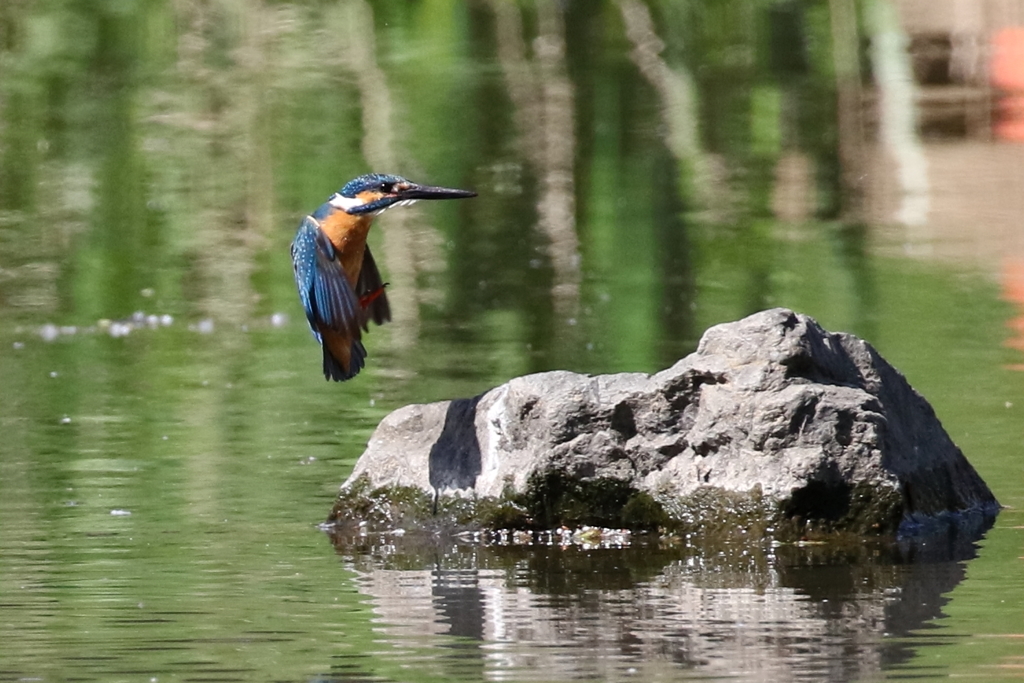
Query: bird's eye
<point x="387" y="188"/>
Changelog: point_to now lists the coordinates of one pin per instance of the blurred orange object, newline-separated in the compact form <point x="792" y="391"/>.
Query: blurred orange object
<point x="1007" y="75"/>
<point x="1013" y="291"/>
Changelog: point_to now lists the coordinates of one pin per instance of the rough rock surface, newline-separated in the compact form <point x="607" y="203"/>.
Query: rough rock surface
<point x="814" y="423"/>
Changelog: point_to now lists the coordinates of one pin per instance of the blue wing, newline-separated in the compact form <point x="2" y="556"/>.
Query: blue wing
<point x="332" y="308"/>
<point x="324" y="290"/>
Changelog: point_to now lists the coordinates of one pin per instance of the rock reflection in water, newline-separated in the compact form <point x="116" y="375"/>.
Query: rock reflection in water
<point x="652" y="611"/>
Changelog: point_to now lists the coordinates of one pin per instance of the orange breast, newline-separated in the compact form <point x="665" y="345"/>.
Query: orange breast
<point x="348" y="235"/>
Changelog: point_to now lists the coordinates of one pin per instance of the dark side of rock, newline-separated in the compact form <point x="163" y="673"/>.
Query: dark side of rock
<point x="772" y="428"/>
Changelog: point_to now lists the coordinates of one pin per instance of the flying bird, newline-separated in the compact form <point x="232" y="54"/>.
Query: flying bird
<point x="339" y="284"/>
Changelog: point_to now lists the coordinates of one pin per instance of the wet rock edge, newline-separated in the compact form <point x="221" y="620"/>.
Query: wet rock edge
<point x="709" y="516"/>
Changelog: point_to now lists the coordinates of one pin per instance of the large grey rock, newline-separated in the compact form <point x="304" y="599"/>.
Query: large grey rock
<point x="773" y="406"/>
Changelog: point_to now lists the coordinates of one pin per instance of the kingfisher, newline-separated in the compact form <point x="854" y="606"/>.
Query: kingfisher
<point x="339" y="283"/>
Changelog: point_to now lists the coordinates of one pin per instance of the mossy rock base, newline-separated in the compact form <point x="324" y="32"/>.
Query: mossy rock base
<point x="555" y="500"/>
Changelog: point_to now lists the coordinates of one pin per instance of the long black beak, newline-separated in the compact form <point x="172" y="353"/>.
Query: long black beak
<point x="414" y="191"/>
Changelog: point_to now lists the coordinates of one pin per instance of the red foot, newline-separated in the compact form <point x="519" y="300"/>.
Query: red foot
<point x="368" y="299"/>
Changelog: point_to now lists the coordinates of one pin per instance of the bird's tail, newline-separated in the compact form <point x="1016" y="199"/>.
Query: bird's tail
<point x="334" y="370"/>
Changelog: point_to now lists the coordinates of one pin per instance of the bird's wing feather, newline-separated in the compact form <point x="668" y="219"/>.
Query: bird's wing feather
<point x="370" y="283"/>
<point x="324" y="290"/>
